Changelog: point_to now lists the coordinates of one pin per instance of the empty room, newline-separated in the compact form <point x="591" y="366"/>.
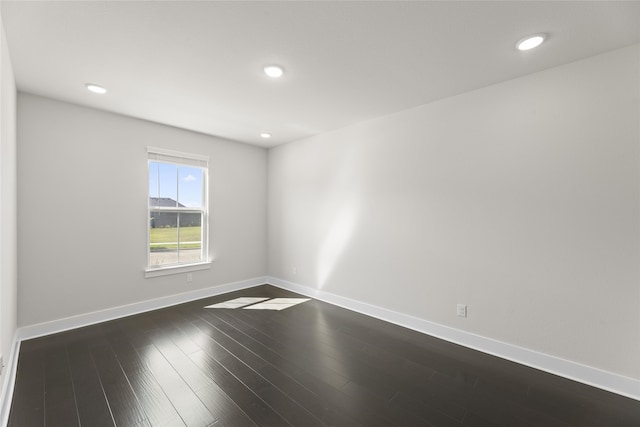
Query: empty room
<point x="320" y="213"/>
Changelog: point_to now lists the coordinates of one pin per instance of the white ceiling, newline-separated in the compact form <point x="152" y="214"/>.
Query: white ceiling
<point x="198" y="65"/>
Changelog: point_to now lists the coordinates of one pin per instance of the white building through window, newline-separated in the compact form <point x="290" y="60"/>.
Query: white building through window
<point x="177" y="209"/>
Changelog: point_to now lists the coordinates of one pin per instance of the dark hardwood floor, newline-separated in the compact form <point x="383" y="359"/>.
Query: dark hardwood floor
<point x="310" y="365"/>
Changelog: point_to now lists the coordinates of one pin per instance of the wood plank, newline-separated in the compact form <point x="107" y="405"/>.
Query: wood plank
<point x="259" y="412"/>
<point x="27" y="408"/>
<point x="192" y="411"/>
<point x="93" y="408"/>
<point x="151" y="395"/>
<point x="125" y="408"/>
<point x="60" y="402"/>
<point x="227" y="412"/>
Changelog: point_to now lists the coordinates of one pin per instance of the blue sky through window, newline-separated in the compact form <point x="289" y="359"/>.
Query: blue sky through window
<point x="177" y="182"/>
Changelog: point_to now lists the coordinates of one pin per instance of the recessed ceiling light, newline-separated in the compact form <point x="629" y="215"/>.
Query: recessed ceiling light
<point x="274" y="71"/>
<point x="265" y="135"/>
<point x="530" y="42"/>
<point x="96" y="88"/>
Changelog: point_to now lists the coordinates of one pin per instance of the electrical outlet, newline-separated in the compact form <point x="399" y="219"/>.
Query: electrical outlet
<point x="294" y="270"/>
<point x="462" y="310"/>
<point x="189" y="277"/>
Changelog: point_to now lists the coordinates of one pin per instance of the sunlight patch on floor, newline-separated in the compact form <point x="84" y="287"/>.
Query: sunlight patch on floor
<point x="277" y="304"/>
<point x="237" y="303"/>
<point x="259" y="303"/>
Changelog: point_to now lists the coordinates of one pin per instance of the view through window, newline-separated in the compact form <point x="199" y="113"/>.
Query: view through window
<point x="177" y="208"/>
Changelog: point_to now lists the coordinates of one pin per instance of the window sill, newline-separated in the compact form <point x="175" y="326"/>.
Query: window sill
<point x="176" y="269"/>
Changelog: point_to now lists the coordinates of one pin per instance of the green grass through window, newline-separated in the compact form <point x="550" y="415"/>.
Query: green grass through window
<point x="167" y="238"/>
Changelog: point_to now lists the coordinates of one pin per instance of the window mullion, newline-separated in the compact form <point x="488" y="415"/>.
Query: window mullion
<point x="178" y="237"/>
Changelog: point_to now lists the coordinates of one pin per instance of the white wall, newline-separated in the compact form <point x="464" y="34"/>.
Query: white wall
<point x="8" y="204"/>
<point x="82" y="197"/>
<point x="521" y="200"/>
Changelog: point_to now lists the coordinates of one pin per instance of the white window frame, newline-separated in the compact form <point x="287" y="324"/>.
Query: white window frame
<point x="161" y="155"/>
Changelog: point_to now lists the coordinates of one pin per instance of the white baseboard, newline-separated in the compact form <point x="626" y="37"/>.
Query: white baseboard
<point x="55" y="326"/>
<point x="605" y="380"/>
<point x="9" y="380"/>
<point x="585" y="374"/>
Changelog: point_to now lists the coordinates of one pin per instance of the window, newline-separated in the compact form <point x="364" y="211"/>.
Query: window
<point x="177" y="210"/>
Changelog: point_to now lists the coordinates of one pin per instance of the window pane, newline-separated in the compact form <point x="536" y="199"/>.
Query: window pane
<point x="163" y="238"/>
<point x="168" y="185"/>
<point x="190" y="237"/>
<point x="190" y="186"/>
